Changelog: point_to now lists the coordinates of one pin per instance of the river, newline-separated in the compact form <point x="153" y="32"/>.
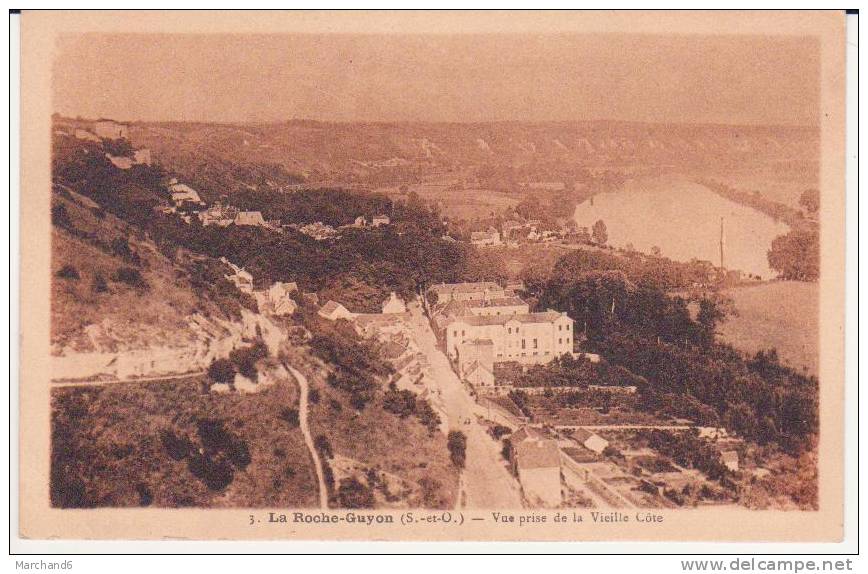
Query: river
<point x="683" y="219"/>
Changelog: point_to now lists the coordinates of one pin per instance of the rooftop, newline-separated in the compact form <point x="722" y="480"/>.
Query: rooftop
<point x="537" y="453"/>
<point x="543" y="317"/>
<point x="467" y="287"/>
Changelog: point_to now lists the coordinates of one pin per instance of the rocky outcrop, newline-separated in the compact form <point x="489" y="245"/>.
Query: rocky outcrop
<point x="192" y="351"/>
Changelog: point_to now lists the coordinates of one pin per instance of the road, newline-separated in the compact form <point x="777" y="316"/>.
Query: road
<point x="485" y="481"/>
<point x="308" y="440"/>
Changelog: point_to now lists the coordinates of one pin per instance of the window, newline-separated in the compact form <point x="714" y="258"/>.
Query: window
<point x="560" y="327"/>
<point x="560" y="341"/>
<point x="534" y="353"/>
<point x="500" y="354"/>
<point x="568" y="326"/>
<point x="568" y="340"/>
<point x="510" y="330"/>
<point x="462" y="332"/>
<point x="454" y="333"/>
<point x="535" y="345"/>
<point x="546" y="352"/>
<point x="522" y="344"/>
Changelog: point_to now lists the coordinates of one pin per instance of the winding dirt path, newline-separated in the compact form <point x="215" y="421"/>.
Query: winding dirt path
<point x="305" y="430"/>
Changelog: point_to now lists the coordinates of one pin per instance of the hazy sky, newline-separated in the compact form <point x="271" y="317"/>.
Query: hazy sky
<point x="721" y="79"/>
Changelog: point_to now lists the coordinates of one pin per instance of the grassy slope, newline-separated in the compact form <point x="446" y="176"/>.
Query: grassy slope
<point x="783" y="315"/>
<point x="135" y="317"/>
<point x="113" y="445"/>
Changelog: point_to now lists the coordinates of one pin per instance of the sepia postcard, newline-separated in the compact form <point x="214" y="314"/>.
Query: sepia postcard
<point x="422" y="276"/>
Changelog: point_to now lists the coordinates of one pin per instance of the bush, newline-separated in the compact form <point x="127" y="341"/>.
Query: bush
<point x="499" y="431"/>
<point x="426" y="415"/>
<point x="69" y="272"/>
<point x="401" y="403"/>
<point x="290" y="416"/>
<point x="99" y="284"/>
<point x="456" y="442"/>
<point x="221" y="371"/>
<point x="323" y="446"/>
<point x="353" y="494"/>
<point x="131" y="277"/>
<point x="60" y="217"/>
<point x="245" y="358"/>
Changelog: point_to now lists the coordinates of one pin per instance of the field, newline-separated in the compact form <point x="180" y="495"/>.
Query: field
<point x="780" y="314"/>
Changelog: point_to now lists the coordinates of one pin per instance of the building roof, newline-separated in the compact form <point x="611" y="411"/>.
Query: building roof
<point x="539" y="453"/>
<point x="497" y="302"/>
<point x="249" y="218"/>
<point x="331" y="307"/>
<point x="467" y="287"/>
<point x="525" y="433"/>
<point x="482" y="320"/>
<point x="477" y="366"/>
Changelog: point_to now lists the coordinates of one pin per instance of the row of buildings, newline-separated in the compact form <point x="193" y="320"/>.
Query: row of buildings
<point x="481" y="324"/>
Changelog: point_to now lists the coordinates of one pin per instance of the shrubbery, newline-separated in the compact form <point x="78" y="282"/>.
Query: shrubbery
<point x="131" y="277"/>
<point x="69" y="272"/>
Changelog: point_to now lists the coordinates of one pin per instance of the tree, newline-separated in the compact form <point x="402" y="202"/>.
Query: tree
<point x="599" y="233"/>
<point x="221" y="371"/>
<point x="353" y="494"/>
<point x="456" y="442"/>
<point x="810" y="200"/>
<point x="796" y="255"/>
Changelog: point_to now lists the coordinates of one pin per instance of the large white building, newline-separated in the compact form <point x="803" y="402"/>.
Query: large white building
<point x="524" y="337"/>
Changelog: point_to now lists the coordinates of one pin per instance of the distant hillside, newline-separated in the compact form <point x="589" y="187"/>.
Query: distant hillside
<point x="223" y="158"/>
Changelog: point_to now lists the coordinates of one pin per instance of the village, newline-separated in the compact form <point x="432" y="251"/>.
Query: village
<point x="462" y="347"/>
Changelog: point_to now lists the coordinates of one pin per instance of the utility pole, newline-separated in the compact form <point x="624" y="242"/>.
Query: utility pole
<point x="721" y="242"/>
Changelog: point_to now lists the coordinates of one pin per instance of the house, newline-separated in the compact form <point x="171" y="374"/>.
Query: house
<point x="536" y="460"/>
<point x="394" y="304"/>
<point x="310" y="298"/>
<point x="242" y="279"/>
<point x="120" y="162"/>
<point x="110" y="129"/>
<point x="318" y="230"/>
<point x="379" y="220"/>
<point x="360" y="222"/>
<point x="447" y="292"/>
<point x="479" y="376"/>
<point x="510" y="229"/>
<point x="529" y="338"/>
<point x="729" y="458"/>
<point x="250" y="218"/>
<point x="276" y="299"/>
<point x="219" y="214"/>
<point x="485" y="238"/>
<point x="183" y="193"/>
<point x="334" y="311"/>
<point x="590" y="441"/>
